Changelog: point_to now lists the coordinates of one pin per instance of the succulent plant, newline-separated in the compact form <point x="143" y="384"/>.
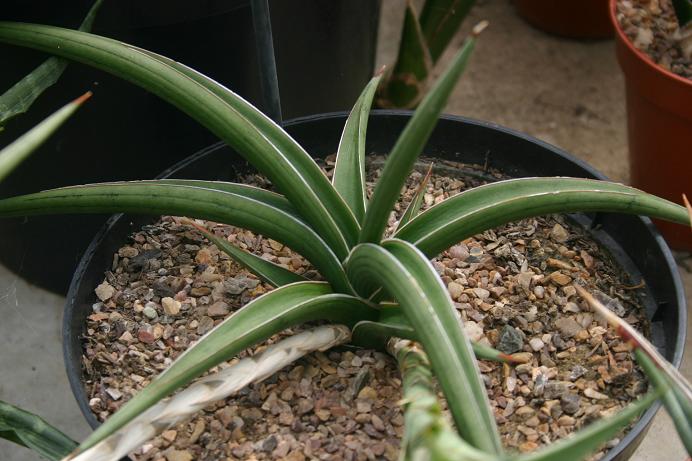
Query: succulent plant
<point x="377" y="292"/>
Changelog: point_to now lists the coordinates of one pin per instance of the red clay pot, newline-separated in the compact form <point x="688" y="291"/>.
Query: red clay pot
<point x="659" y="125"/>
<point x="573" y="19"/>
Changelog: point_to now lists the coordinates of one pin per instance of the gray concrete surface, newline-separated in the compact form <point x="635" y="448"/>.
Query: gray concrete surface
<point x="568" y="93"/>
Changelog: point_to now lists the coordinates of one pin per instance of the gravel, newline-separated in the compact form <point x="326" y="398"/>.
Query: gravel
<point x="169" y="286"/>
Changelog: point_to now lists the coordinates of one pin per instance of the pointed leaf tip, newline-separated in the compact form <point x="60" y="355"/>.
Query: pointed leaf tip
<point x="83" y="98"/>
<point x="688" y="206"/>
<point x="480" y="27"/>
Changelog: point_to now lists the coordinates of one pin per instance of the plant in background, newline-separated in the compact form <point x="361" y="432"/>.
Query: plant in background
<point x="377" y="291"/>
<point x="424" y="37"/>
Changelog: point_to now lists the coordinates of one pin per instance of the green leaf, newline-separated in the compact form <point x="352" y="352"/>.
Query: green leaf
<point x="150" y="198"/>
<point x="409" y="146"/>
<point x="676" y="404"/>
<point x="413" y="208"/>
<point x="349" y="172"/>
<point x="12" y="155"/>
<point x="405" y="273"/>
<point x="440" y="20"/>
<point x="253" y="135"/>
<point x="33" y="432"/>
<point x="405" y="85"/>
<point x="427" y="434"/>
<point x="491" y="205"/>
<point x="275" y="311"/>
<point x="22" y="95"/>
<point x="584" y="442"/>
<point x="256" y="193"/>
<point x="265" y="270"/>
<point x="683" y="11"/>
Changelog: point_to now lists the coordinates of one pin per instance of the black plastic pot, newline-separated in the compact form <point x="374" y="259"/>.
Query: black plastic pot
<point x="325" y="54"/>
<point x="633" y="241"/>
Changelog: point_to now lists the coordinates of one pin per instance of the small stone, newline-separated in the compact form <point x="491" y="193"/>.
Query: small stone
<point x="473" y="330"/>
<point x="205" y="325"/>
<point x="104" y="291"/>
<point x="269" y="444"/>
<point x="169" y="435"/>
<point x="179" y="455"/>
<point x="510" y="340"/>
<point x="559" y="234"/>
<point x="128" y="252"/>
<point x="566" y="420"/>
<point x="170" y="306"/>
<point x="570" y="403"/>
<point x="577" y="372"/>
<point x="554" y="390"/>
<point x="460" y="252"/>
<point x="114" y="393"/>
<point x="455" y="290"/>
<point x="536" y="344"/>
<point x="218" y="309"/>
<point x="594" y="394"/>
<point x="367" y="393"/>
<point x="560" y="278"/>
<point x="126" y="337"/>
<point x="203" y="257"/>
<point x="522" y="357"/>
<point x="146" y="336"/>
<point x="568" y="326"/>
<point x="150" y="312"/>
<point x="481" y="293"/>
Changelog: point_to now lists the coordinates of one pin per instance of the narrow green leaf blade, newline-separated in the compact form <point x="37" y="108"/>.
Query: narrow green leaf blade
<point x="22" y="95"/>
<point x="405" y="273"/>
<point x="491" y="205"/>
<point x="406" y="83"/>
<point x="349" y="172"/>
<point x="675" y="403"/>
<point x="586" y="441"/>
<point x="413" y="208"/>
<point x="255" y="193"/>
<point x="275" y="311"/>
<point x="33" y="432"/>
<point x="14" y="154"/>
<point x="146" y="197"/>
<point x="253" y="135"/>
<point x="265" y="270"/>
<point x="440" y="20"/>
<point x="409" y="146"/>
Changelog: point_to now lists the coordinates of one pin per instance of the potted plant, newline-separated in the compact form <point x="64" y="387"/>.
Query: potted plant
<point x="373" y="289"/>
<point x="587" y="19"/>
<point x="655" y="57"/>
<point x="307" y="34"/>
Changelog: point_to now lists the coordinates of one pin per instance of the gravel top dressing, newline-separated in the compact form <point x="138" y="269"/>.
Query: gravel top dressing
<point x="512" y="287"/>
<point x="653" y="29"/>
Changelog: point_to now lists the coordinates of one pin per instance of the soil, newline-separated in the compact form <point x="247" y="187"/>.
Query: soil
<point x="511" y="285"/>
<point x="652" y="27"/>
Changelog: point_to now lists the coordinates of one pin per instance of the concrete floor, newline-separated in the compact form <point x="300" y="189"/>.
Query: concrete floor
<point x="568" y="93"/>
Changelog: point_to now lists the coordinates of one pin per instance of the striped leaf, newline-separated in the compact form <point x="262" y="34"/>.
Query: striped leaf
<point x="31" y="431"/>
<point x="253" y="135"/>
<point x="275" y="311"/>
<point x="491" y="205"/>
<point x="269" y="272"/>
<point x="349" y="172"/>
<point x="22" y="95"/>
<point x="14" y="154"/>
<point x="409" y="146"/>
<point x="215" y="205"/>
<point x="440" y="20"/>
<point x="405" y="273"/>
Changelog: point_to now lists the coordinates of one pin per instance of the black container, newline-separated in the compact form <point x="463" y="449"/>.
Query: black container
<point x="633" y="241"/>
<point x="325" y="52"/>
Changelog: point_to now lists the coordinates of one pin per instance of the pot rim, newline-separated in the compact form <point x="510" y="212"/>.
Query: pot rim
<point x="74" y="372"/>
<point x="643" y="57"/>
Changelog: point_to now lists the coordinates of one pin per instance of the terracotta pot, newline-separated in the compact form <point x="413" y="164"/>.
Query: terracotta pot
<point x="582" y="19"/>
<point x="659" y="125"/>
